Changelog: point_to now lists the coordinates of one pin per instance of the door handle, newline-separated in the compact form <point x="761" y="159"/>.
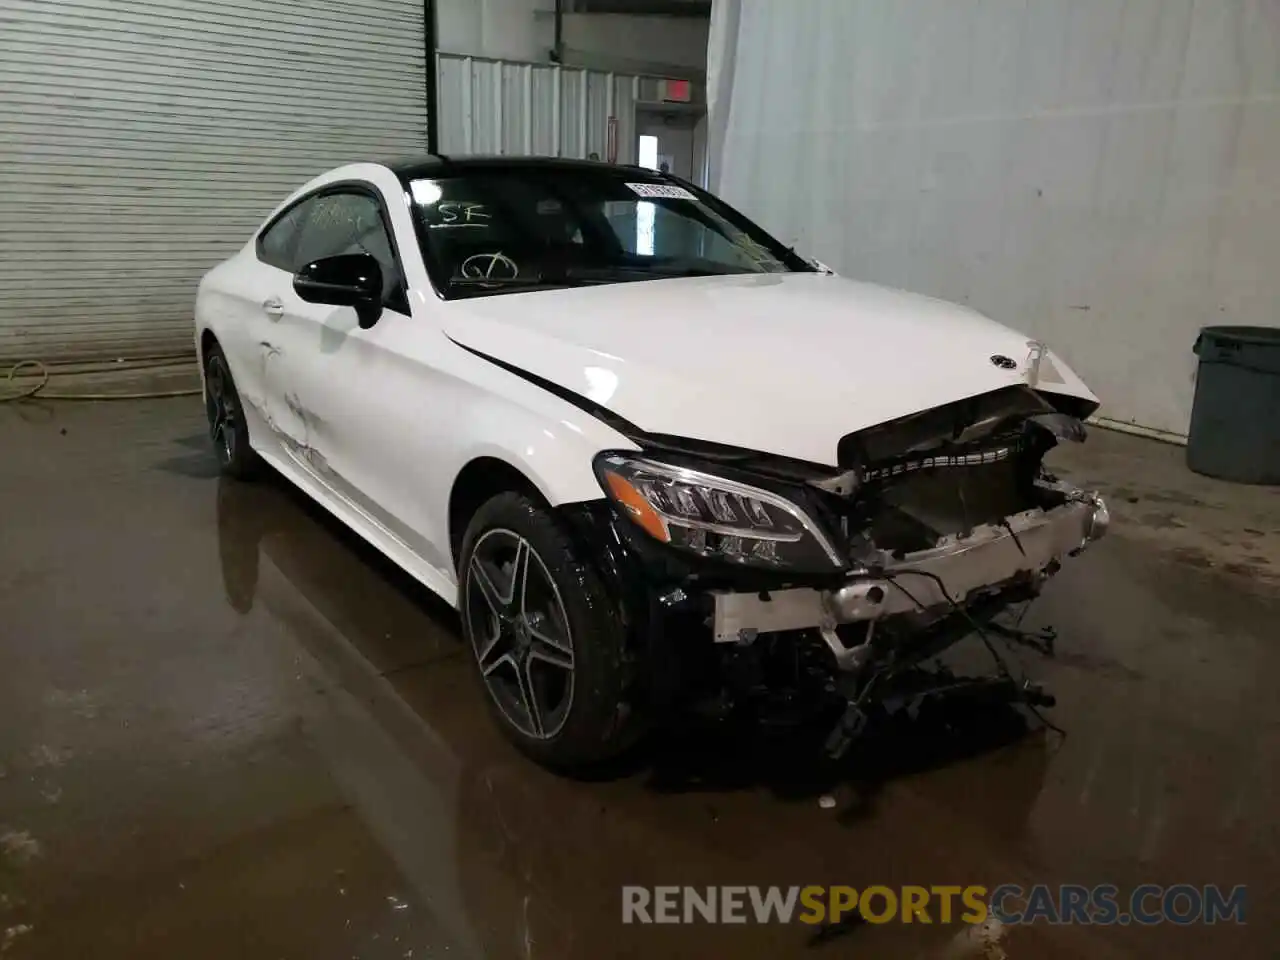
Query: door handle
<point x="273" y="308"/>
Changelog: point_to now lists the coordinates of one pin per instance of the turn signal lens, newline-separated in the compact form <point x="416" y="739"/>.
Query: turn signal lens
<point x="637" y="507"/>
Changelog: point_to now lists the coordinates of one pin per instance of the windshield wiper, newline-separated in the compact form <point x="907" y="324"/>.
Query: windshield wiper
<point x="498" y="283"/>
<point x="622" y="272"/>
<point x="583" y="277"/>
<point x="495" y="281"/>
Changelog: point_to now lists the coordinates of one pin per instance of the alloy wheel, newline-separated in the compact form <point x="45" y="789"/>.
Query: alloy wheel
<point x="519" y="630"/>
<point x="220" y="407"/>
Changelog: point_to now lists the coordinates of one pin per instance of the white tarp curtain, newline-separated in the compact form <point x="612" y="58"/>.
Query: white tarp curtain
<point x="1101" y="175"/>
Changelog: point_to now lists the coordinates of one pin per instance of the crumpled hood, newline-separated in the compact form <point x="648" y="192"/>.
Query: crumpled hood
<point x="780" y="363"/>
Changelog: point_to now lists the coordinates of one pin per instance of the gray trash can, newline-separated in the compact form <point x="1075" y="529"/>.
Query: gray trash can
<point x="1235" y="419"/>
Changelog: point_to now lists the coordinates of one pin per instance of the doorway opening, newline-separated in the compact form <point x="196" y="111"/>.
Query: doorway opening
<point x="646" y="215"/>
<point x="672" y="138"/>
<point x="648" y="151"/>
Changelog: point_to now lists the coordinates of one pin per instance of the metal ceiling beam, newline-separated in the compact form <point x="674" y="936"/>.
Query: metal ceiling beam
<point x="652" y="8"/>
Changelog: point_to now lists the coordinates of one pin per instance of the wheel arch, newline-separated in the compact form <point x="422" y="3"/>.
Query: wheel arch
<point x="208" y="340"/>
<point x="482" y="479"/>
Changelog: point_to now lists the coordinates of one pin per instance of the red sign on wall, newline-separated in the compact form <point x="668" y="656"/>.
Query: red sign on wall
<point x="677" y="91"/>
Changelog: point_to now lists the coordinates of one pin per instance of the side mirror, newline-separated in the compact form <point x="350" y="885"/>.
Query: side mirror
<point x="347" y="280"/>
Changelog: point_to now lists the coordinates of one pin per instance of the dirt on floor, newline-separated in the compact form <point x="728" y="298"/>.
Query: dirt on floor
<point x="1201" y="521"/>
<point x="230" y="729"/>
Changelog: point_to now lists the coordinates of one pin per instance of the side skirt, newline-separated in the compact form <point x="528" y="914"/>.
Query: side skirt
<point x="441" y="582"/>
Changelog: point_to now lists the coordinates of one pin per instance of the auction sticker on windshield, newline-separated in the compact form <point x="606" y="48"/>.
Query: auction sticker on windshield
<point x="662" y="191"/>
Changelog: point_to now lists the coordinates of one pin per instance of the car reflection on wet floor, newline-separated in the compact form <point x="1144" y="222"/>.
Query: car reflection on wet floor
<point x="263" y="739"/>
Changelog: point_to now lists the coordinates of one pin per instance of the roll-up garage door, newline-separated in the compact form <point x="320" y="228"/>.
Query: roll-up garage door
<point x="141" y="141"/>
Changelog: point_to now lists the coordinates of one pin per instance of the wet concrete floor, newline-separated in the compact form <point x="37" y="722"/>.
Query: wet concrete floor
<point x="229" y="729"/>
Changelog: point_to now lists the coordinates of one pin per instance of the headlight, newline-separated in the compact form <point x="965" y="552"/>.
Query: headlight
<point x="715" y="517"/>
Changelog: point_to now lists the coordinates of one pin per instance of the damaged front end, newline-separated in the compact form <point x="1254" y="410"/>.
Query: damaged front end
<point x="755" y="579"/>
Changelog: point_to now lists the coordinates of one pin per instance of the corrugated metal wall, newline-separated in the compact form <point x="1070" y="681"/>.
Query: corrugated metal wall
<point x="489" y="106"/>
<point x="141" y="141"/>
<point x="1104" y="175"/>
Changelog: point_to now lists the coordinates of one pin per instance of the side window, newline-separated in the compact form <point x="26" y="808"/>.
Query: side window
<point x="277" y="244"/>
<point x="338" y="223"/>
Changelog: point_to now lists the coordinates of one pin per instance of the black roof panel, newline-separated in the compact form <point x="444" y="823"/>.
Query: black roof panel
<point x="434" y="165"/>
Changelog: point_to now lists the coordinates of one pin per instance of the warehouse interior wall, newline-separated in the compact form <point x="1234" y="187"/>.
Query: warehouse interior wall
<point x="1098" y="174"/>
<point x="504" y="29"/>
<point x="503" y="107"/>
<point x="524" y="30"/>
<point x="675" y="46"/>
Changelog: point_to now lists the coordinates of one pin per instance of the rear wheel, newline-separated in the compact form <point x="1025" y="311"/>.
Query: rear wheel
<point x="548" y="644"/>
<point x="227" y="427"/>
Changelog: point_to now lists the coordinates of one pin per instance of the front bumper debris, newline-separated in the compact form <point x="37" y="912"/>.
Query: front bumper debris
<point x="1028" y="544"/>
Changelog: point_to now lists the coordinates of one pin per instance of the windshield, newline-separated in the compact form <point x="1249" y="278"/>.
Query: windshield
<point x="502" y="231"/>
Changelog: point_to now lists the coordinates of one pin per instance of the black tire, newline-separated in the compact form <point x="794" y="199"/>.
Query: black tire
<point x="596" y="720"/>
<point x="227" y="427"/>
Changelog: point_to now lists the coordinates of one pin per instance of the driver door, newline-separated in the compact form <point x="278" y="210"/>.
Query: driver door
<point x="346" y="427"/>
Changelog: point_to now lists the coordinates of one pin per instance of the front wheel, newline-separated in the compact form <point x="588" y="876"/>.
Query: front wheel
<point x="548" y="643"/>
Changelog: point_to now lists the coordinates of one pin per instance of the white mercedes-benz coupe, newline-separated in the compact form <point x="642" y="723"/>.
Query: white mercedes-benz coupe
<point x="653" y="456"/>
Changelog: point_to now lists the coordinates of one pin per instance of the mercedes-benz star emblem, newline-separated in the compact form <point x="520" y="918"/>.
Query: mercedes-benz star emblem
<point x="1004" y="363"/>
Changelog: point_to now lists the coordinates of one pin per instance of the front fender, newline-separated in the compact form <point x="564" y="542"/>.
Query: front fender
<point x="560" y="469"/>
<point x="494" y="413"/>
<point x="553" y="449"/>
